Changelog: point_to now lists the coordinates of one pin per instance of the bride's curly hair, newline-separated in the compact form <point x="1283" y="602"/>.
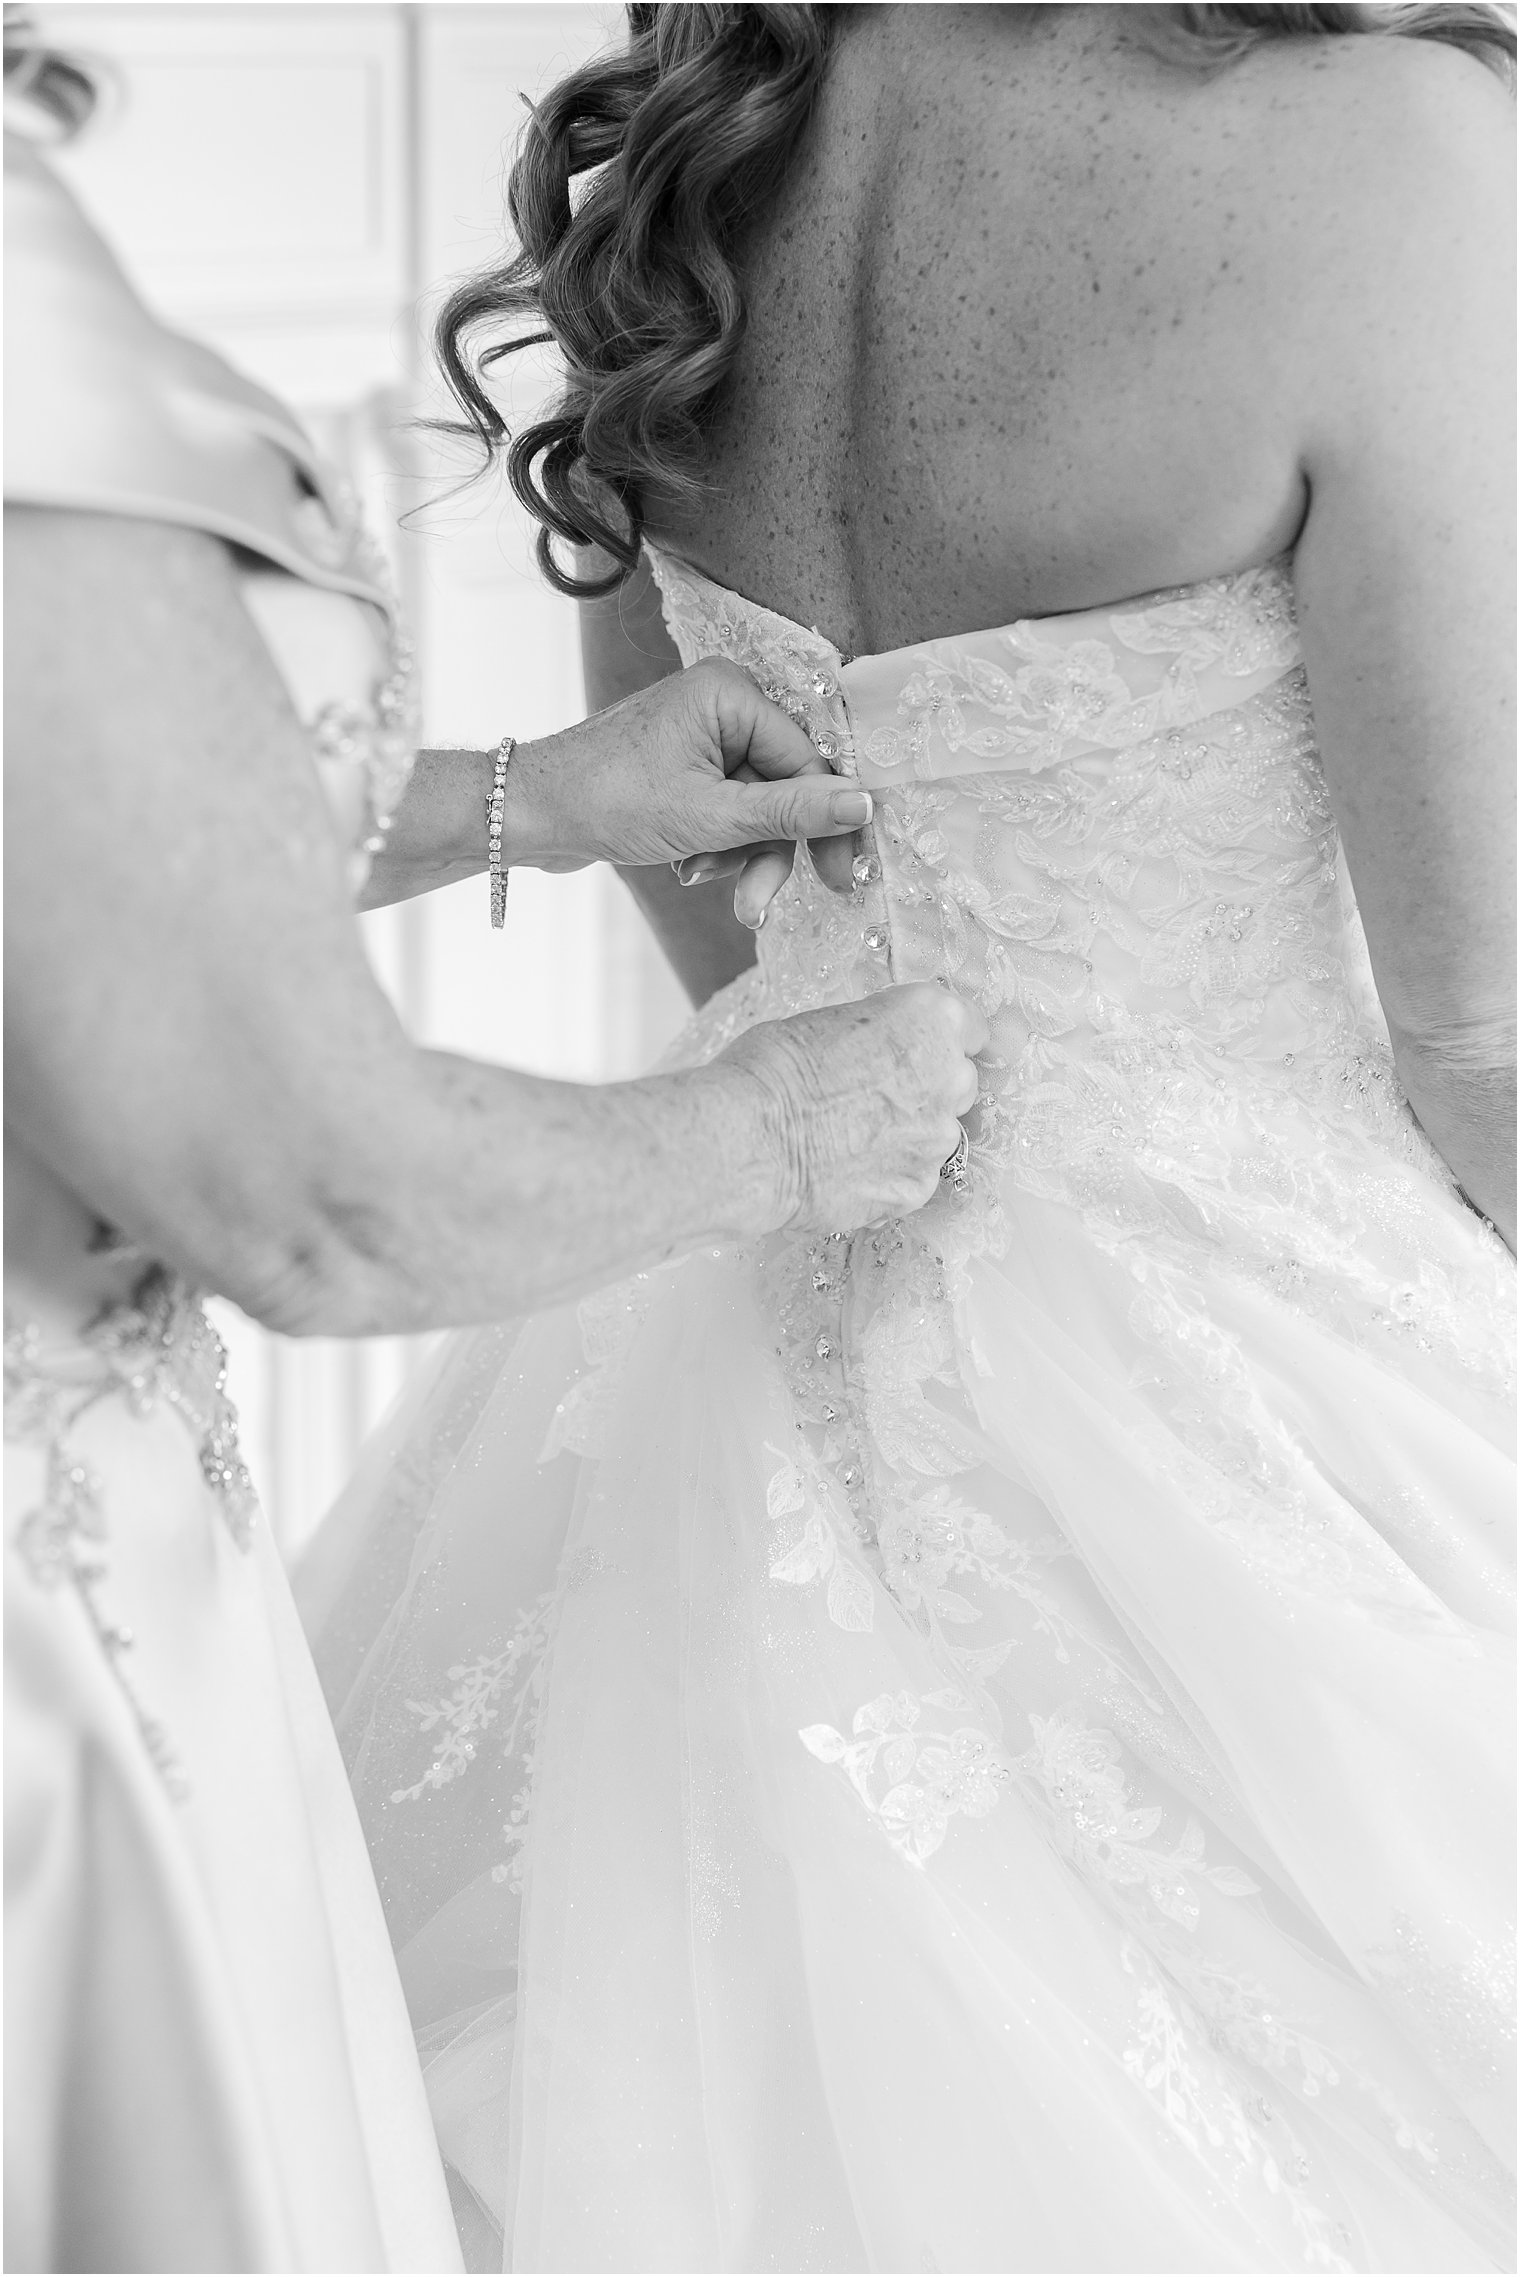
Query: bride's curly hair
<point x="632" y="183"/>
<point x="56" y="88"/>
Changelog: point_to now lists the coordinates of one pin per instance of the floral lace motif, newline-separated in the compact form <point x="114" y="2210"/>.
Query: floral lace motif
<point x="158" y="1349"/>
<point x="507" y="1684"/>
<point x="609" y="1323"/>
<point x="1081" y="1773"/>
<point x="926" y="1777"/>
<point x="1208" y="2115"/>
<point x="1022" y="699"/>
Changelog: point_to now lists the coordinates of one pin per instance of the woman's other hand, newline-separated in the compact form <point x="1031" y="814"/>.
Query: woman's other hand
<point x="698" y="770"/>
<point x="701" y="770"/>
<point x="863" y="1101"/>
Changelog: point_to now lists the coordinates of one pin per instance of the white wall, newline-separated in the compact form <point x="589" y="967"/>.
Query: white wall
<point x="295" y="183"/>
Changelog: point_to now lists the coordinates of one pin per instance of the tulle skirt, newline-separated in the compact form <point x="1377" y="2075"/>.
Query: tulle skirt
<point x="917" y="1753"/>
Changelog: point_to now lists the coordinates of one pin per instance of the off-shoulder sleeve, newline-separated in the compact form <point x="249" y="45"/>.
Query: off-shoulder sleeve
<point x="107" y="410"/>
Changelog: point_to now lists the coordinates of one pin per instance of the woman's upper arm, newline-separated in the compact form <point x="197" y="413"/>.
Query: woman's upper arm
<point x="186" y="998"/>
<point x="625" y="647"/>
<point x="1405" y="568"/>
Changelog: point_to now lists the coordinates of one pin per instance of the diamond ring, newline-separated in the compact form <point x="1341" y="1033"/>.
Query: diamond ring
<point x="954" y="1165"/>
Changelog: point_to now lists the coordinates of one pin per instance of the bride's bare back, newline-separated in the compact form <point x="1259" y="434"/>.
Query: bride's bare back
<point x="1039" y="319"/>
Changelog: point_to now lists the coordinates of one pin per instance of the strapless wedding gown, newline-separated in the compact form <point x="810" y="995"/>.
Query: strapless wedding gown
<point x="983" y="1744"/>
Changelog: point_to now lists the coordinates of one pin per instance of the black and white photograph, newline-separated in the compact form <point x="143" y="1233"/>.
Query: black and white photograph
<point x="759" y="1137"/>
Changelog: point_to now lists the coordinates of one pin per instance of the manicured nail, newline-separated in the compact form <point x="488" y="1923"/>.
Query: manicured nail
<point x="853" y="808"/>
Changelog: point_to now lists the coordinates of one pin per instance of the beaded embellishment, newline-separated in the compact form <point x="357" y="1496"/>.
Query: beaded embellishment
<point x="158" y="1347"/>
<point x="379" y="736"/>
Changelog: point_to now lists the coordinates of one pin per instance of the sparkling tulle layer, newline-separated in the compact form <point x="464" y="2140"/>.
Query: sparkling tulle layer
<point x="1076" y="1852"/>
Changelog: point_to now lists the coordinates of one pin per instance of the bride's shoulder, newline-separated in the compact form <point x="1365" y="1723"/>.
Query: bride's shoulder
<point x="1387" y="101"/>
<point x="1256" y="180"/>
<point x="1385" y="168"/>
<point x="1351" y="132"/>
<point x="1327" y="189"/>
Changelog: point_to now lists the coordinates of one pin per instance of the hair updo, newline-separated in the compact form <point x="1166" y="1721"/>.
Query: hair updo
<point x="632" y="182"/>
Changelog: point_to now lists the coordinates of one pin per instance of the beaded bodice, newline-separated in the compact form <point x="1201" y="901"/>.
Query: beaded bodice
<point x="1112" y="830"/>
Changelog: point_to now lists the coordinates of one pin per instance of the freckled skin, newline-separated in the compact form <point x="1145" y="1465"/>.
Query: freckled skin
<point x="1011" y="343"/>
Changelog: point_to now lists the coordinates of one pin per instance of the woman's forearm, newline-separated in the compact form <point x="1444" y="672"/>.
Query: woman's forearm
<point x="439" y="837"/>
<point x="485" y="1194"/>
<point x="439" y="833"/>
<point x="419" y="1191"/>
<point x="1461" y="1087"/>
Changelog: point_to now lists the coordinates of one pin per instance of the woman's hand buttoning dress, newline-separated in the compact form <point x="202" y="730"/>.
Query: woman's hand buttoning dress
<point x="984" y="1744"/>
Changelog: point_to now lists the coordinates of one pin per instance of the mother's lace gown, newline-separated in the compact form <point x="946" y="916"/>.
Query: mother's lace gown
<point x="208" y="2064"/>
<point x="983" y="1745"/>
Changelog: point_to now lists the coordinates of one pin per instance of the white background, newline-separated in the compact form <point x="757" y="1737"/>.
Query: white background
<point x="296" y="183"/>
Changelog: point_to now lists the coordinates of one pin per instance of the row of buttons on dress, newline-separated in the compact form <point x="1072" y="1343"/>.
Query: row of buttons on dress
<point x="827" y="689"/>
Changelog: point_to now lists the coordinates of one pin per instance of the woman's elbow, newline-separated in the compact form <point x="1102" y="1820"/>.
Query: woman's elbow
<point x="326" y="1266"/>
<point x="1470" y="1042"/>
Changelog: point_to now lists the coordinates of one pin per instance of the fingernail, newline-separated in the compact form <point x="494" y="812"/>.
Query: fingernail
<point x="697" y="873"/>
<point x="853" y="808"/>
<point x="755" y="923"/>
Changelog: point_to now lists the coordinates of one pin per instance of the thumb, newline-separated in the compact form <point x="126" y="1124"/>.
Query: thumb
<point x="810" y="806"/>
